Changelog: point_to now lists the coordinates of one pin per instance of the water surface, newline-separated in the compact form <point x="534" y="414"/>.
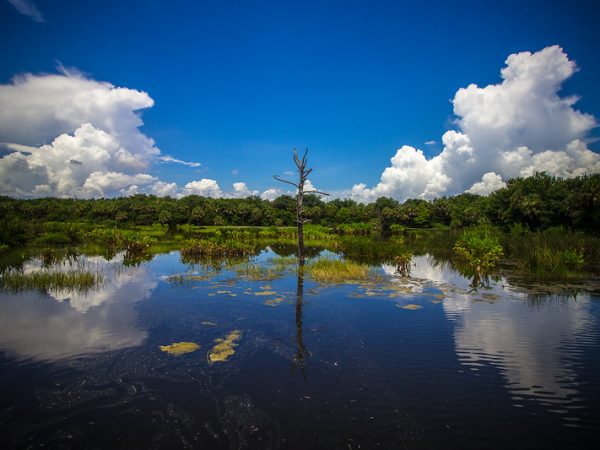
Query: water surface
<point x="415" y="362"/>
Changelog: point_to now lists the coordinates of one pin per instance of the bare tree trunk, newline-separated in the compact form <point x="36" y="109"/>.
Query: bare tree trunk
<point x="300" y="219"/>
<point x="303" y="173"/>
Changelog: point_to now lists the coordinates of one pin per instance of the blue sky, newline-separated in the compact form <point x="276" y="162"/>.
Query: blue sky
<point x="237" y="85"/>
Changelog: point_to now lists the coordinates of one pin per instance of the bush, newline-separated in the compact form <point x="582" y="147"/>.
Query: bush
<point x="478" y="253"/>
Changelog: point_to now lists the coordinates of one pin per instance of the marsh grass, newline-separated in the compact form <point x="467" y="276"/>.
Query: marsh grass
<point x="79" y="280"/>
<point x="255" y="272"/>
<point x="553" y="254"/>
<point x="337" y="271"/>
<point x="199" y="249"/>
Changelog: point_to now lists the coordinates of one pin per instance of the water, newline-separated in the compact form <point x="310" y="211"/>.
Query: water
<point x="321" y="366"/>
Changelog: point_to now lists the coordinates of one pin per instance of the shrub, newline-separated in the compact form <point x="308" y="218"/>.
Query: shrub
<point x="478" y="253"/>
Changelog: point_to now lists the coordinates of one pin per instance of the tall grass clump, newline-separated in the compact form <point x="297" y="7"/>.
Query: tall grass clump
<point x="356" y="229"/>
<point x="43" y="280"/>
<point x="196" y="250"/>
<point x="554" y="253"/>
<point x="337" y="271"/>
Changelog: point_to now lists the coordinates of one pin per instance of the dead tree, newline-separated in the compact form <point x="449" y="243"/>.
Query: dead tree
<point x="303" y="173"/>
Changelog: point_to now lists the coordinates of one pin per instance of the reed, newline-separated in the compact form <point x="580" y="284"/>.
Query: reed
<point x="337" y="271"/>
<point x="43" y="280"/>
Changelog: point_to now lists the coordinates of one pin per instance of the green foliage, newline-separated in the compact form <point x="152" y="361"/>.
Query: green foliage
<point x="402" y="262"/>
<point x="534" y="203"/>
<point x="355" y="228"/>
<point x="554" y="253"/>
<point x="195" y="250"/>
<point x="397" y="229"/>
<point x="337" y="271"/>
<point x="478" y="252"/>
<point x="56" y="238"/>
<point x="111" y="237"/>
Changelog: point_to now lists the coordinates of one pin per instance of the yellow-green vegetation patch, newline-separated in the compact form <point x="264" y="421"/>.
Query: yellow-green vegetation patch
<point x="179" y="348"/>
<point x="410" y="307"/>
<point x="265" y="293"/>
<point x="224" y="348"/>
<point x="255" y="272"/>
<point x="436" y="301"/>
<point x="338" y="271"/>
<point x="274" y="301"/>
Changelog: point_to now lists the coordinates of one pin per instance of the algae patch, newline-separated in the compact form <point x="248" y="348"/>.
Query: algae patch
<point x="274" y="301"/>
<point x="179" y="348"/>
<point x="410" y="307"/>
<point x="224" y="348"/>
<point x="265" y="293"/>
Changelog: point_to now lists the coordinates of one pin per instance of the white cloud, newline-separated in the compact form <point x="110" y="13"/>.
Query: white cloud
<point x="513" y="128"/>
<point x="240" y="190"/>
<point x="28" y="8"/>
<point x="489" y="183"/>
<point x="162" y="189"/>
<point x="170" y="159"/>
<point x="271" y="194"/>
<point x="85" y="164"/>
<point x="204" y="187"/>
<point x="96" y="147"/>
<point x="430" y="143"/>
<point x="102" y="184"/>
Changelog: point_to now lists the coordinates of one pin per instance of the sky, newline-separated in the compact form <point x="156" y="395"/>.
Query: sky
<point x="392" y="98"/>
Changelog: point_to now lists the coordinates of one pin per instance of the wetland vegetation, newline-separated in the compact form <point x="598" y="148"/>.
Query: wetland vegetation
<point x="207" y="318"/>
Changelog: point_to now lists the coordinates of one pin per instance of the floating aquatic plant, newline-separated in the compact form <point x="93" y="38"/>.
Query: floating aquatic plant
<point x="179" y="348"/>
<point x="409" y="307"/>
<point x="224" y="348"/>
<point x="265" y="293"/>
<point x="274" y="301"/>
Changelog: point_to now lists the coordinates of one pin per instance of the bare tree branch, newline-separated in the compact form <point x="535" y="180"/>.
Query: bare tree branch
<point x="316" y="192"/>
<point x="285" y="181"/>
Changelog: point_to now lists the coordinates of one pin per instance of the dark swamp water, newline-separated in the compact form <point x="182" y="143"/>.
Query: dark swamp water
<point x="419" y="362"/>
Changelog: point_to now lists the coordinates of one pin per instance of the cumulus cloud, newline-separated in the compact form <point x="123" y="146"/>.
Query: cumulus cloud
<point x="71" y="136"/>
<point x="28" y="8"/>
<point x="240" y="190"/>
<point x="271" y="194"/>
<point x="510" y="129"/>
<point x="204" y="187"/>
<point x="489" y="183"/>
<point x="162" y="189"/>
<point x="81" y="165"/>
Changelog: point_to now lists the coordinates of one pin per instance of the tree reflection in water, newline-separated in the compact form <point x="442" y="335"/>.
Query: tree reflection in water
<point x="298" y="363"/>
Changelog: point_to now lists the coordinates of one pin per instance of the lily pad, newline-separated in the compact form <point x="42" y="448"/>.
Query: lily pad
<point x="265" y="293"/>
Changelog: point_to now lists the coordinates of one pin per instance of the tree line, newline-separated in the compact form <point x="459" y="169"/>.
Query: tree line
<point x="535" y="203"/>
